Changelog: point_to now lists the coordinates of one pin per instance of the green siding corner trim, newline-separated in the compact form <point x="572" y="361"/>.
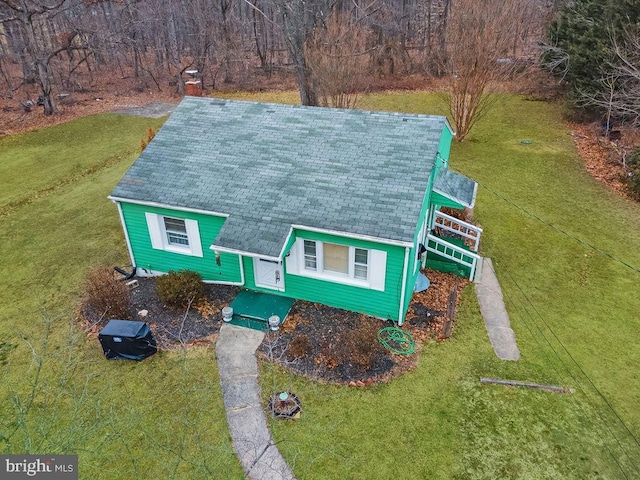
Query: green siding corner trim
<point x="444" y="146"/>
<point x="145" y="256"/>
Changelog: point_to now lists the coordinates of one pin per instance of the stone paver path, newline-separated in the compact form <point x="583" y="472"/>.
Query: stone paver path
<point x="502" y="338"/>
<point x="252" y="441"/>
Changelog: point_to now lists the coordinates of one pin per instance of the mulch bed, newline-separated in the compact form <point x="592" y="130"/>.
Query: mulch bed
<point x="172" y="328"/>
<point x="322" y="343"/>
<point x="337" y="346"/>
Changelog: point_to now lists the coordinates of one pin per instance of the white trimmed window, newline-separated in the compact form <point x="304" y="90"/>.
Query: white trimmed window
<point x="310" y="255"/>
<point x="361" y="263"/>
<point x="338" y="263"/>
<point x="172" y="234"/>
<point x="176" y="231"/>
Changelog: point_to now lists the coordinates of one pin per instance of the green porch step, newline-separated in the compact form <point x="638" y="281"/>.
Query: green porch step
<point x="251" y="323"/>
<point x="253" y="309"/>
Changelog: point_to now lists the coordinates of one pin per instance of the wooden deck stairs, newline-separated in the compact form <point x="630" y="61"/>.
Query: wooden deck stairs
<point x="453" y="247"/>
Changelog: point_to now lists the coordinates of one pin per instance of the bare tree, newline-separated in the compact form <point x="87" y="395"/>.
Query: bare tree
<point x="480" y="38"/>
<point x="338" y="58"/>
<point x="34" y="21"/>
<point x="299" y="21"/>
<point x="66" y="43"/>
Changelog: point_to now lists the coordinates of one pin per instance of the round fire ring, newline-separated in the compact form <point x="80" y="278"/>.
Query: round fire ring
<point x="285" y="405"/>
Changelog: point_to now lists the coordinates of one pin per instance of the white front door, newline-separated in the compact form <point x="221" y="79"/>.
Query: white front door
<point x="268" y="273"/>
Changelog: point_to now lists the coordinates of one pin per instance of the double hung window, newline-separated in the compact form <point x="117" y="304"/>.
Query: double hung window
<point x="336" y="260"/>
<point x="176" y="231"/>
<point x="338" y="263"/>
<point x="172" y="234"/>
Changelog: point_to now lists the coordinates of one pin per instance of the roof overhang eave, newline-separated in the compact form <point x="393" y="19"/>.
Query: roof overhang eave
<point x="220" y="248"/>
<point x="167" y="206"/>
<point x="368" y="238"/>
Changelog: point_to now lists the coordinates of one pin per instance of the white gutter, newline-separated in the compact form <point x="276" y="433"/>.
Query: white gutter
<point x="457" y="200"/>
<point x="218" y="248"/>
<point x="404" y="286"/>
<point x="446" y="122"/>
<point x="367" y="238"/>
<point x="170" y="207"/>
<point x="126" y="236"/>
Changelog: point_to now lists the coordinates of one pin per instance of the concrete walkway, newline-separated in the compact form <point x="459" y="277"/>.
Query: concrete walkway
<point x="502" y="338"/>
<point x="252" y="441"/>
<point x="152" y="110"/>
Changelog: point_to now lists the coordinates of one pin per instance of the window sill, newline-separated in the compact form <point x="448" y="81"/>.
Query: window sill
<point x="345" y="280"/>
<point x="179" y="250"/>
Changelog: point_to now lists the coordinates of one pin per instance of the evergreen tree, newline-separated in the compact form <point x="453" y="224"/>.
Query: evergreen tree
<point x="582" y="37"/>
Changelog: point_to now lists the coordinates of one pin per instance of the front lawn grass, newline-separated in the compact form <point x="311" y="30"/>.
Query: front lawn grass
<point x="163" y="418"/>
<point x="33" y="164"/>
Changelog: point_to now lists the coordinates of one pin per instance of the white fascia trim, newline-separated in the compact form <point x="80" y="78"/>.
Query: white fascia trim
<point x="286" y="240"/>
<point x="218" y="248"/>
<point x="169" y="207"/>
<point x="367" y="238"/>
<point x="404" y="286"/>
<point x="126" y="235"/>
<point x="473" y="198"/>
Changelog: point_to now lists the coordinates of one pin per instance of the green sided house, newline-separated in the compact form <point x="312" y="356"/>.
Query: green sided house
<point x="339" y="207"/>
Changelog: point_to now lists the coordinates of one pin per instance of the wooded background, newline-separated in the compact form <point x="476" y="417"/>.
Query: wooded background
<point x="332" y="48"/>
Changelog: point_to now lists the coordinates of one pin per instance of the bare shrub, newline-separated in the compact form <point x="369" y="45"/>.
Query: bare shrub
<point x="105" y="295"/>
<point x="144" y="142"/>
<point x="364" y="343"/>
<point x="179" y="289"/>
<point x="298" y="347"/>
<point x="357" y="345"/>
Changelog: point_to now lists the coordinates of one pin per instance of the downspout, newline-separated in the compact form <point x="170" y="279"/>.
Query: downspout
<point x="241" y="270"/>
<point x="126" y="238"/>
<point x="404" y="286"/>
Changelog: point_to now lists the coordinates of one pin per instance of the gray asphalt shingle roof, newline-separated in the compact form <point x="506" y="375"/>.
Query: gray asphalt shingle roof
<point x="456" y="187"/>
<point x="270" y="166"/>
